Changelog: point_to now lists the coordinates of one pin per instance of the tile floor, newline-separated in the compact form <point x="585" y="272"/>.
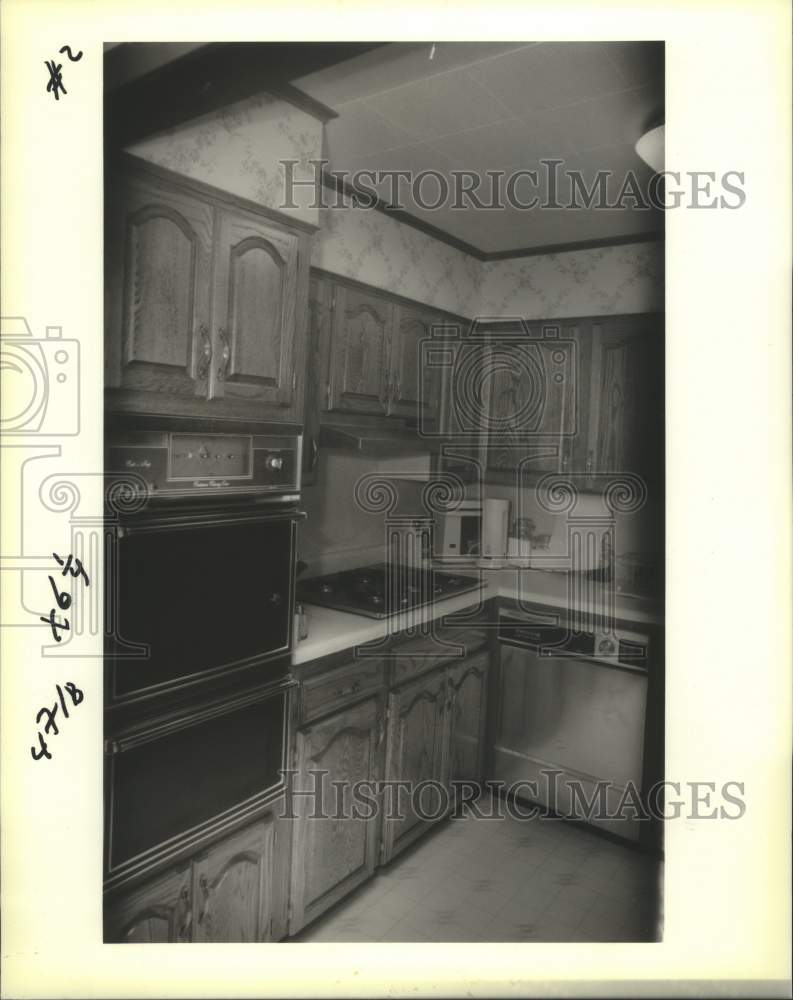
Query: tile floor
<point x="510" y="880"/>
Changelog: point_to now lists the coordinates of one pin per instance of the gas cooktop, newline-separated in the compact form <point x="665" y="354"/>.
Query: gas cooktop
<point x="380" y="590"/>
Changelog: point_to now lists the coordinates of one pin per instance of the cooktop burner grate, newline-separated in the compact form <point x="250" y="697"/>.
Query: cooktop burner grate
<point x="379" y="591"/>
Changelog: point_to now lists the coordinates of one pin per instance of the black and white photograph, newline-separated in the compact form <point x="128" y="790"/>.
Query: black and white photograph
<point x="388" y="445"/>
<point x="391" y="608"/>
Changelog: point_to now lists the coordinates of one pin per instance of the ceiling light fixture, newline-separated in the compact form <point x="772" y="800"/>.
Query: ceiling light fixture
<point x="650" y="147"/>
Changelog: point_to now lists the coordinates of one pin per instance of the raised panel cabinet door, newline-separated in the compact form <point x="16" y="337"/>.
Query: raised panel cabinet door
<point x="414" y="389"/>
<point x="318" y="336"/>
<point x="336" y="832"/>
<point x="416" y="752"/>
<point x="532" y="395"/>
<point x="233" y="885"/>
<point x="468" y="687"/>
<point x="254" y="311"/>
<point x="158" y="912"/>
<point x="360" y="351"/>
<point x="158" y="283"/>
<point x="627" y="410"/>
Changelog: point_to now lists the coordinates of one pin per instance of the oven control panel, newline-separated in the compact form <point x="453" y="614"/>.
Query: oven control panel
<point x="180" y="464"/>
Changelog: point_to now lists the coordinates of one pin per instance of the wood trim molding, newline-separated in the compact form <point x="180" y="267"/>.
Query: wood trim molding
<point x="128" y="162"/>
<point x="213" y="76"/>
<point x="340" y="186"/>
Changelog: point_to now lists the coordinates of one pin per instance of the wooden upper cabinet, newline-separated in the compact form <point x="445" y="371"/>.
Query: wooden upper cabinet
<point x="531" y="386"/>
<point x="159" y="262"/>
<point x="407" y="396"/>
<point x="255" y="295"/>
<point x="626" y="416"/>
<point x="360" y="351"/>
<point x="205" y="302"/>
<point x="318" y="336"/>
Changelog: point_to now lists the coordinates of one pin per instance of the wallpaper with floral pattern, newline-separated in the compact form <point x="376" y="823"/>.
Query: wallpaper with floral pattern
<point x="619" y="279"/>
<point x="238" y="149"/>
<point x="371" y="247"/>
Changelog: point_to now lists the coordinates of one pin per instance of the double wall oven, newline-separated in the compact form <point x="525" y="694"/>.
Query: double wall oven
<point x="200" y="570"/>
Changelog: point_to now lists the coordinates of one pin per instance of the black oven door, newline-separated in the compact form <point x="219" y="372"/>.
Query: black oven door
<point x="196" y="597"/>
<point x="175" y="780"/>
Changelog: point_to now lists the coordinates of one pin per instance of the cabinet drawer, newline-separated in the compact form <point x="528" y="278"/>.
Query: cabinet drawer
<point x="416" y="656"/>
<point x="341" y="686"/>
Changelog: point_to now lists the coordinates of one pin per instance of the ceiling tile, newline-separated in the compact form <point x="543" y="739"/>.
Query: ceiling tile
<point x="617" y="119"/>
<point x="499" y="146"/>
<point x="361" y="131"/>
<point x="393" y="66"/>
<point x="439" y="105"/>
<point x="549" y="75"/>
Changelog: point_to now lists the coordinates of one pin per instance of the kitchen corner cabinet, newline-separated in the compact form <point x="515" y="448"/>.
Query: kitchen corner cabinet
<point x="235" y="891"/>
<point x="468" y="716"/>
<point x="588" y="395"/>
<point x="205" y="302"/>
<point x="407" y="396"/>
<point x="532" y="396"/>
<point x="369" y="350"/>
<point x="333" y="855"/>
<point x="626" y="418"/>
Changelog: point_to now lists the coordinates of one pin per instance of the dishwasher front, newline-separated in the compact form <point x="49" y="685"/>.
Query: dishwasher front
<point x="570" y="720"/>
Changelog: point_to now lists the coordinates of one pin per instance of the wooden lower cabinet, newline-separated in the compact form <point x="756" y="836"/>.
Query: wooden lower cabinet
<point x="335" y="834"/>
<point x="235" y="891"/>
<point x="234" y="887"/>
<point x="159" y="912"/>
<point x="417" y="751"/>
<point x="468" y="717"/>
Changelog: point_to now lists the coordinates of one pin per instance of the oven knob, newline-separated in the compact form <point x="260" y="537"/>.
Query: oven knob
<point x="607" y="647"/>
<point x="274" y="462"/>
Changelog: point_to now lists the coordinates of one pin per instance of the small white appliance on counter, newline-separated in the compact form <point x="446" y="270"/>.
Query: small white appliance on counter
<point x="495" y="521"/>
<point x="459" y="532"/>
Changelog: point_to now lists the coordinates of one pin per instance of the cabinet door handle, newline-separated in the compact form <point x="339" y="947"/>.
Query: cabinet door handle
<point x="203" y="885"/>
<point x="589" y="463"/>
<point x="225" y="355"/>
<point x="205" y="357"/>
<point x="380" y="731"/>
<point x="314" y="453"/>
<point x="349" y="690"/>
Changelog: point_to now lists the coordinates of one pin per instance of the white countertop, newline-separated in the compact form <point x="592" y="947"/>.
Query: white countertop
<point x="331" y="631"/>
